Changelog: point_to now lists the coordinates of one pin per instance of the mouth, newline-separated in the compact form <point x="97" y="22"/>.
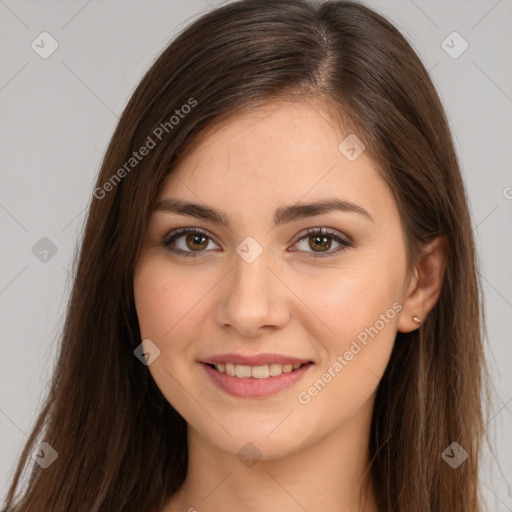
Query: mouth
<point x="264" y="371"/>
<point x="263" y="380"/>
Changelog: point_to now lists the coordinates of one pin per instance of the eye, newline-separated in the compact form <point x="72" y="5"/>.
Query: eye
<point x="190" y="241"/>
<point x="194" y="241"/>
<point x="320" y="240"/>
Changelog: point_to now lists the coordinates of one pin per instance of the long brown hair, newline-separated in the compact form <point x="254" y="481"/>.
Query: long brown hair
<point x="121" y="446"/>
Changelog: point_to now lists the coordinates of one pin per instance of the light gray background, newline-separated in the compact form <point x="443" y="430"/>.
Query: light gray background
<point x="57" y="115"/>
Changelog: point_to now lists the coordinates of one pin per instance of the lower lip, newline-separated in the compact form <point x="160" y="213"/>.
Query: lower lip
<point x="253" y="388"/>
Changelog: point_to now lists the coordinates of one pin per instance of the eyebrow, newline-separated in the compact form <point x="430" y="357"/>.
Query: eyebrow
<point x="282" y="215"/>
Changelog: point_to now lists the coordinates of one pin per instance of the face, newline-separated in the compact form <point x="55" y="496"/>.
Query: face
<point x="268" y="282"/>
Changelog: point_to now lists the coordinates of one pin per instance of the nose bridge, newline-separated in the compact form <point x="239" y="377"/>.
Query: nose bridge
<point x="252" y="297"/>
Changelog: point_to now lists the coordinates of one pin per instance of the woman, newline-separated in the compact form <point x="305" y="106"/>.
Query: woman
<point x="276" y="305"/>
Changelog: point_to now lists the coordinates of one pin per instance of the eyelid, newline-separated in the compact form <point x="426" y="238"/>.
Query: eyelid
<point x="334" y="233"/>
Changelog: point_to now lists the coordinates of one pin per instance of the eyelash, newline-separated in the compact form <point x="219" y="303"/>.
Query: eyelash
<point x="171" y="237"/>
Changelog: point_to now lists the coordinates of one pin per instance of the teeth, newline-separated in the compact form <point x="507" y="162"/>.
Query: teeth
<point x="260" y="372"/>
<point x="243" y="371"/>
<point x="275" y="369"/>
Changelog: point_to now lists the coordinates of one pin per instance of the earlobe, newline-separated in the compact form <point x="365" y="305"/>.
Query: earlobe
<point x="425" y="286"/>
<point x="409" y="323"/>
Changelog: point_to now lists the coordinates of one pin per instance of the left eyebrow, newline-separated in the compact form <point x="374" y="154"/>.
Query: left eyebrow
<point x="282" y="215"/>
<point x="299" y="211"/>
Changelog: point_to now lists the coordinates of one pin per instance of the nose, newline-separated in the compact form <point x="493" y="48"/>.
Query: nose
<point x="253" y="298"/>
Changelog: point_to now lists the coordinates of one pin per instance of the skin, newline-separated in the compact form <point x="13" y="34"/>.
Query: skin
<point x="287" y="301"/>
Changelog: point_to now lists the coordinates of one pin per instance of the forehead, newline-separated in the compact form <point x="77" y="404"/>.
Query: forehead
<point x="276" y="154"/>
<point x="279" y="134"/>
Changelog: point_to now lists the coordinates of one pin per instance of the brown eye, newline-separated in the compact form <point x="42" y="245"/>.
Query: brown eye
<point x="321" y="242"/>
<point x="196" y="241"/>
<point x="318" y="241"/>
<point x="187" y="242"/>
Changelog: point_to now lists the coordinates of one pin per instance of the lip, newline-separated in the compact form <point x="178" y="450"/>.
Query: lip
<point x="254" y="388"/>
<point x="254" y="360"/>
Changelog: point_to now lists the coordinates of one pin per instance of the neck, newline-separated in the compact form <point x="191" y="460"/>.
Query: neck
<point x="328" y="474"/>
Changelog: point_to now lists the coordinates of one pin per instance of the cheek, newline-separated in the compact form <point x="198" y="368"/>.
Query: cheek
<point x="165" y="300"/>
<point x="353" y="298"/>
<point x="358" y="307"/>
<point x="364" y="320"/>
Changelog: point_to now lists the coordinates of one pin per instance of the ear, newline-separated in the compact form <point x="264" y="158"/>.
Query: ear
<point x="424" y="285"/>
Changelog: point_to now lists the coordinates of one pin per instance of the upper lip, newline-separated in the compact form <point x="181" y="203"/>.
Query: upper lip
<point x="254" y="360"/>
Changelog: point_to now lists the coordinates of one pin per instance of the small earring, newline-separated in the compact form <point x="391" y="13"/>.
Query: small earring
<point x="416" y="319"/>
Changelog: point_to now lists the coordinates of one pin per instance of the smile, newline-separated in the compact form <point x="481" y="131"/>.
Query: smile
<point x="255" y="372"/>
<point x="254" y="381"/>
